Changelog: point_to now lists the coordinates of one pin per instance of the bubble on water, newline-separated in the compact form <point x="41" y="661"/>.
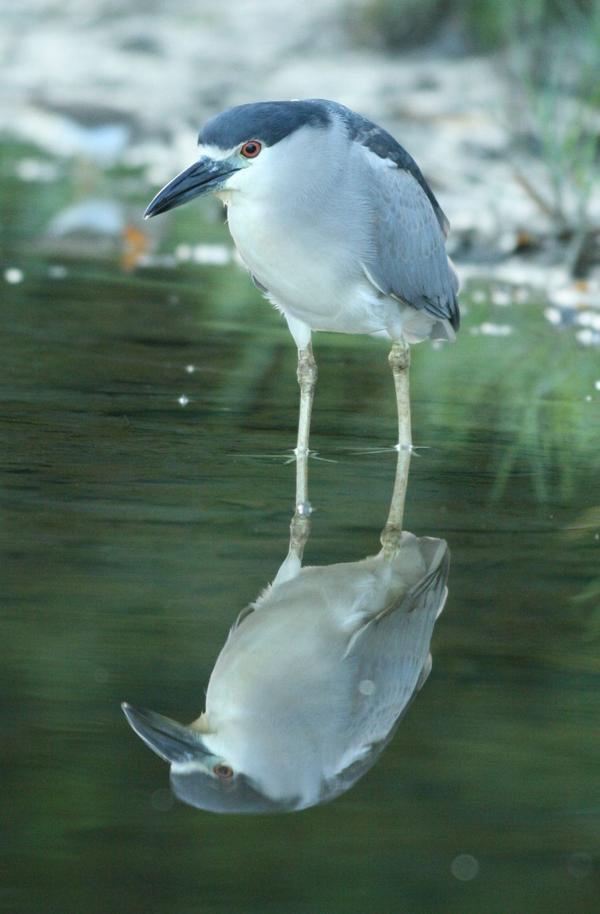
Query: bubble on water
<point x="576" y="294"/>
<point x="183" y="400"/>
<point x="213" y="254"/>
<point x="162" y="799"/>
<point x="366" y="687"/>
<point x="464" y="867"/>
<point x="588" y="319"/>
<point x="553" y="315"/>
<point x="57" y="271"/>
<point x="36" y="170"/>
<point x="521" y="295"/>
<point x="597" y="385"/>
<point x="489" y="329"/>
<point x="183" y="252"/>
<point x="588" y="337"/>
<point x="579" y="864"/>
<point x="501" y="297"/>
<point x="190" y="369"/>
<point x="13" y="275"/>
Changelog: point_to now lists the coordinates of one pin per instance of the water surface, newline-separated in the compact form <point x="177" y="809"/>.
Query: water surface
<point x="136" y="528"/>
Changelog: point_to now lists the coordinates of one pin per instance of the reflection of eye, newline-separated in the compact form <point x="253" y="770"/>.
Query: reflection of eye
<point x="223" y="771"/>
<point x="251" y="149"/>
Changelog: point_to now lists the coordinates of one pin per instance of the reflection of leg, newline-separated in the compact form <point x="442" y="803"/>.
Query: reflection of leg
<point x="299" y="533"/>
<point x="307" y="378"/>
<point x="400" y="363"/>
<point x="299" y="527"/>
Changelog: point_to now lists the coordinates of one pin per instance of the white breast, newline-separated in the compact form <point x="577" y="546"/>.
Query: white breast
<point x="304" y="239"/>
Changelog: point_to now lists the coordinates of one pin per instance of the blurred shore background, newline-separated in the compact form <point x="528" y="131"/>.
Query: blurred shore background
<point x="498" y="102"/>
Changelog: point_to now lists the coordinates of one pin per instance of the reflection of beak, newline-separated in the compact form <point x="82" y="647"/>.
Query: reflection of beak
<point x="202" y="177"/>
<point x="171" y="741"/>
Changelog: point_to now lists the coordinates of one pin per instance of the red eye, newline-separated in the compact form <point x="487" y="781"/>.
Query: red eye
<point x="251" y="149"/>
<point x="223" y="771"/>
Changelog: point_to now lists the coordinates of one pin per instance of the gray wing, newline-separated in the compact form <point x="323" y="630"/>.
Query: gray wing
<point x="383" y="145"/>
<point x="408" y="259"/>
<point x="391" y="650"/>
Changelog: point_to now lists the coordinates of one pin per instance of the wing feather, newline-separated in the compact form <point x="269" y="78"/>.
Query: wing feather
<point x="408" y="257"/>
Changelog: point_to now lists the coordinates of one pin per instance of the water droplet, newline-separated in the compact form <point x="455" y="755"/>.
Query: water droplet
<point x="464" y="867"/>
<point x="36" y="170"/>
<point x="162" y="799"/>
<point x="13" y="275"/>
<point x="214" y="254"/>
<point x="183" y="252"/>
<point x="579" y="864"/>
<point x="501" y="297"/>
<point x="553" y="315"/>
<point x="588" y="319"/>
<point x="588" y="337"/>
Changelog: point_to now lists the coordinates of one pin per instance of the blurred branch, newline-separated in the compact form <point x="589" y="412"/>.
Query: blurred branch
<point x="543" y="205"/>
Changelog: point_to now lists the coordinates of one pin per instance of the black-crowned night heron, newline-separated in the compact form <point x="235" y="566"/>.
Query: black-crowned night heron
<point x="313" y="679"/>
<point x="337" y="226"/>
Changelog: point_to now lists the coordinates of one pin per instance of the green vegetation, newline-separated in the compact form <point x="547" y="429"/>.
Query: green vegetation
<point x="479" y="24"/>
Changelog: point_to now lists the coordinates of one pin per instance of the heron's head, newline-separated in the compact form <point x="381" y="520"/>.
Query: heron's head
<point x="200" y="777"/>
<point x="252" y="148"/>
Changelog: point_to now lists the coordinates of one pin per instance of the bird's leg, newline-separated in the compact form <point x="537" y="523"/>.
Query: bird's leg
<point x="300" y="525"/>
<point x="307" y="379"/>
<point x="399" y="360"/>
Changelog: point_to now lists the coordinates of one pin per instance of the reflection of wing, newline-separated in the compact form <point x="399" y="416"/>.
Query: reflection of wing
<point x="409" y="259"/>
<point x="391" y="653"/>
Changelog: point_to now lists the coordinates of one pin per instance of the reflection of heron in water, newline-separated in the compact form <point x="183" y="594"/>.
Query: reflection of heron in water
<point x="314" y="676"/>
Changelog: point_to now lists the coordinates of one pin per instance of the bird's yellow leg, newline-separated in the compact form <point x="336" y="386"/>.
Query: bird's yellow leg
<point x="307" y="379"/>
<point x="399" y="360"/>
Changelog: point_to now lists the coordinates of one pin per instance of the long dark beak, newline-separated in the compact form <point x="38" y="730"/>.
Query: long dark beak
<point x="171" y="741"/>
<point x="202" y="177"/>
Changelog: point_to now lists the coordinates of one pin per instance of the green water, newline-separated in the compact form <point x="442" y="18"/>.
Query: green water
<point x="135" y="529"/>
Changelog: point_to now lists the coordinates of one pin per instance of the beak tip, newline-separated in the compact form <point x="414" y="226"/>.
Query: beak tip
<point x="171" y="741"/>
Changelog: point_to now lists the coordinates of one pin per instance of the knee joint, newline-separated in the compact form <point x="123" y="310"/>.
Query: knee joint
<point x="399" y="357"/>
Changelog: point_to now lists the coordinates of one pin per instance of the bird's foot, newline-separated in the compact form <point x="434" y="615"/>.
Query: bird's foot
<point x="287" y="456"/>
<point x="301" y="453"/>
<point x="394" y="448"/>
